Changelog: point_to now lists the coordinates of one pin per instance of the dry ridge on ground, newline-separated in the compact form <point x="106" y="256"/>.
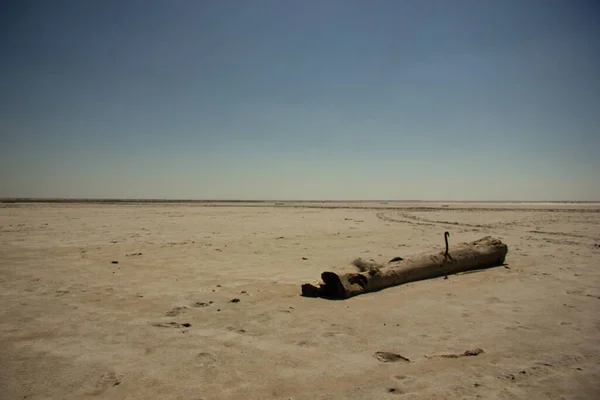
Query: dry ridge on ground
<point x="194" y="301"/>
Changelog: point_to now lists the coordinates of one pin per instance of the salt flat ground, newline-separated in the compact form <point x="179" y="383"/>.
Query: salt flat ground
<point x="74" y="325"/>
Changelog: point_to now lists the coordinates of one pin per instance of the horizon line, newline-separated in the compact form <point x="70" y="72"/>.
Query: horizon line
<point x="158" y="200"/>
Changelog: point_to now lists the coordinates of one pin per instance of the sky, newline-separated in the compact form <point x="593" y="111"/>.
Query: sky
<point x="300" y="100"/>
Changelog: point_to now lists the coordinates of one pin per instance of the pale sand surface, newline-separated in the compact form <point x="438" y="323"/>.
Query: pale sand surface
<point x="75" y="326"/>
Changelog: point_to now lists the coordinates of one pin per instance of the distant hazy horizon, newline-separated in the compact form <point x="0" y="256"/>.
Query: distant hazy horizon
<point x="173" y="200"/>
<point x="309" y="100"/>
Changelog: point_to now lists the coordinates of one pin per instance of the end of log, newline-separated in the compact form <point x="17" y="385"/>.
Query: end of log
<point x="310" y="290"/>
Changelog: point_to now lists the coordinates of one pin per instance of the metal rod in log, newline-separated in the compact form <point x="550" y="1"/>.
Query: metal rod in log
<point x="483" y="253"/>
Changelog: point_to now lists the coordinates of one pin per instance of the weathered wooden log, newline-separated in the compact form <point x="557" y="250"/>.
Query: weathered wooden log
<point x="483" y="253"/>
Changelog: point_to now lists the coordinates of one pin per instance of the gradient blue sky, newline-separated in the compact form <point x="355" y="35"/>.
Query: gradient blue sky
<point x="331" y="99"/>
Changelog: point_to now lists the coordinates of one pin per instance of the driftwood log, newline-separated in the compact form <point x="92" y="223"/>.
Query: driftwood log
<point x="483" y="253"/>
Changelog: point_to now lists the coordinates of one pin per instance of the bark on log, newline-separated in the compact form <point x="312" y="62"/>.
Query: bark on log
<point x="483" y="253"/>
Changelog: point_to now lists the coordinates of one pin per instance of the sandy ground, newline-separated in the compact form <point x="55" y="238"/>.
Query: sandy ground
<point x="160" y="324"/>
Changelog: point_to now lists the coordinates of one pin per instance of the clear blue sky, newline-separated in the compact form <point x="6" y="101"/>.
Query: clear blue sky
<point x="282" y="99"/>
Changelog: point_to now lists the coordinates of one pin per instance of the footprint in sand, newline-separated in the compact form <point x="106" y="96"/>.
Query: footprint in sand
<point x="492" y="300"/>
<point x="403" y="378"/>
<point x="395" y="390"/>
<point x="238" y="330"/>
<point x="385" y="356"/>
<point x="175" y="311"/>
<point x="105" y="382"/>
<point x="200" y="304"/>
<point x="206" y="358"/>
<point x="172" y="325"/>
<point x="577" y="292"/>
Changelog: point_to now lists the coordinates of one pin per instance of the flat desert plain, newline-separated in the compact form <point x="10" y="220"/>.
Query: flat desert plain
<point x="134" y="301"/>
